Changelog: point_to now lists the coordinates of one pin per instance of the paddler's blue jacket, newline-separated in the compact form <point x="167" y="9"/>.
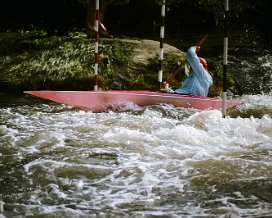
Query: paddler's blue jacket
<point x="199" y="81"/>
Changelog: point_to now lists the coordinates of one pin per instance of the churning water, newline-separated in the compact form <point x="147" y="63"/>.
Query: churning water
<point x="155" y="161"/>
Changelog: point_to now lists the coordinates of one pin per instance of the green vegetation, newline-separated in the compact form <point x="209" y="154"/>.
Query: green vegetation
<point x="33" y="60"/>
<point x="216" y="71"/>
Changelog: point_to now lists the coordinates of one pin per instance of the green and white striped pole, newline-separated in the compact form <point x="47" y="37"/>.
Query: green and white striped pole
<point x="96" y="45"/>
<point x="225" y="60"/>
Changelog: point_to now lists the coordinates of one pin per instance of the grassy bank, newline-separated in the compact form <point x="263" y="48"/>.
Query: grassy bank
<point x="34" y="60"/>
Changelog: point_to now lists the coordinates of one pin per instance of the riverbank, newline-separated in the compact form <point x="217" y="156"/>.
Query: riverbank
<point x="32" y="60"/>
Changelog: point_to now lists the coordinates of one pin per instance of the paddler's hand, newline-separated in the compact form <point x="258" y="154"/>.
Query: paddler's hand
<point x="197" y="48"/>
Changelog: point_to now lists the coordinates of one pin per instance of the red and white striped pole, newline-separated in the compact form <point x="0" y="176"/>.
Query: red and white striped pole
<point x="161" y="41"/>
<point x="96" y="45"/>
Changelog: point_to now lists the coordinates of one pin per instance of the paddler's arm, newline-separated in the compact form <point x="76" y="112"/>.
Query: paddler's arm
<point x="194" y="62"/>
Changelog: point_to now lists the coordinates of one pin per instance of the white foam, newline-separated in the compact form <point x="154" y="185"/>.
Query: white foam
<point x="158" y="154"/>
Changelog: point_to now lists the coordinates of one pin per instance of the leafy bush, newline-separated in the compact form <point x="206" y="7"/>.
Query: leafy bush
<point x="34" y="60"/>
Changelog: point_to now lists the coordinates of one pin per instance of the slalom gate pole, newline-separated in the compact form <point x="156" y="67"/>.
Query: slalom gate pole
<point x="96" y="45"/>
<point x="225" y="60"/>
<point x="161" y="41"/>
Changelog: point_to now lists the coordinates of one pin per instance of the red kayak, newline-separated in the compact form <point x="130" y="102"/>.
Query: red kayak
<point x="99" y="101"/>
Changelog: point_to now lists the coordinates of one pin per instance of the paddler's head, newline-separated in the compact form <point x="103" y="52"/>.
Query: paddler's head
<point x="203" y="62"/>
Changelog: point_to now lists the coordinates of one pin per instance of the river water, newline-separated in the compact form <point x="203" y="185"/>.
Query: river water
<point x="155" y="161"/>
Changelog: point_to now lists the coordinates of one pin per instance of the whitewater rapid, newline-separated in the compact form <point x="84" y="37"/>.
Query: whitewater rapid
<point x="135" y="162"/>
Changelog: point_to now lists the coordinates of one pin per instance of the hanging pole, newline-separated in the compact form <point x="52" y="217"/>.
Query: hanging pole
<point x="161" y="41"/>
<point x="96" y="45"/>
<point x="225" y="60"/>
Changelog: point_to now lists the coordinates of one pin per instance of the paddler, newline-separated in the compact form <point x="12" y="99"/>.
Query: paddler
<point x="199" y="81"/>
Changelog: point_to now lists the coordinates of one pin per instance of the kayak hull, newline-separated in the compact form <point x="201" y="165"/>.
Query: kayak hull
<point x="99" y="101"/>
